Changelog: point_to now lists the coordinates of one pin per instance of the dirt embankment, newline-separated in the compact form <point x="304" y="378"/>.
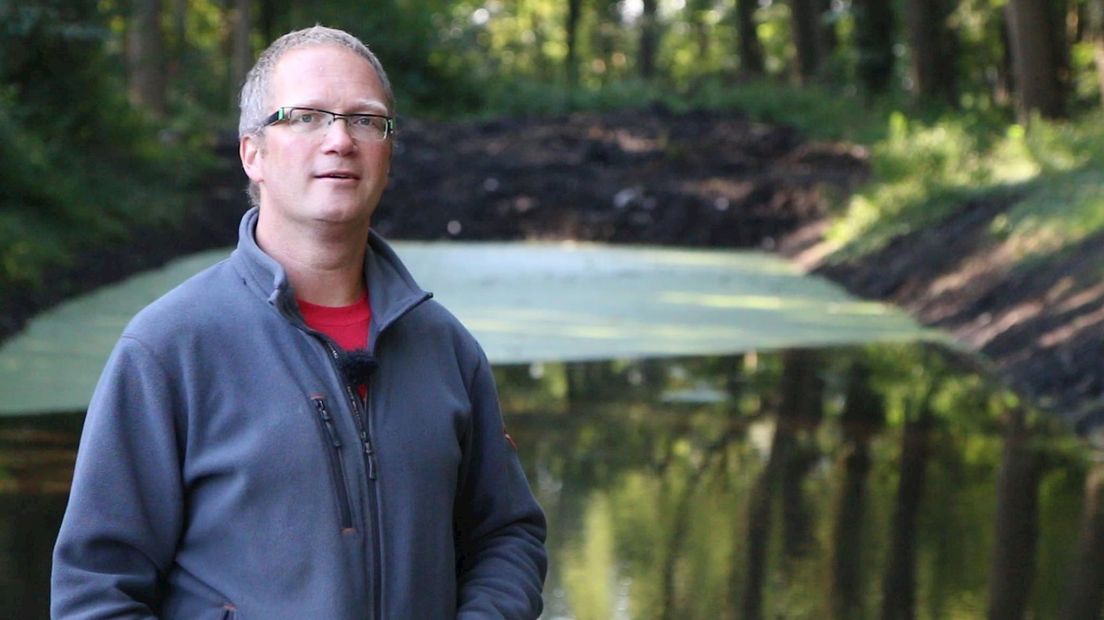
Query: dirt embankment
<point x="1041" y="323"/>
<point x="646" y="176"/>
<point x="700" y="179"/>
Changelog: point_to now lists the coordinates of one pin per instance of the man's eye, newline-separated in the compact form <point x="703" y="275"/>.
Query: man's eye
<point x="306" y="118"/>
<point x="365" y="121"/>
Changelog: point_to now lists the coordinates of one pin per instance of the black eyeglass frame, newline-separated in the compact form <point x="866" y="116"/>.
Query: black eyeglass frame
<point x="283" y="113"/>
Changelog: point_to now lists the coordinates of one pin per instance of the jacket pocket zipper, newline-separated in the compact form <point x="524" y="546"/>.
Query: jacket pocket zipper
<point x="333" y="454"/>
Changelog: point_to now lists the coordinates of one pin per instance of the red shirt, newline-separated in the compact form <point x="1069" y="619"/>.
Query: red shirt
<point x="347" y="325"/>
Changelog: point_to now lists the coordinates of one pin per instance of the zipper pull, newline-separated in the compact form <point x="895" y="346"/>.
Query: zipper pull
<point x="327" y="421"/>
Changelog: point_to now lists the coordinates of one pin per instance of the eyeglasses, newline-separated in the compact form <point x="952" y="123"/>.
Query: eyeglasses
<point x="311" y="120"/>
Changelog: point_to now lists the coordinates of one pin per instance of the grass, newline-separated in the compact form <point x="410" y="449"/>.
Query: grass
<point x="816" y="111"/>
<point x="923" y="172"/>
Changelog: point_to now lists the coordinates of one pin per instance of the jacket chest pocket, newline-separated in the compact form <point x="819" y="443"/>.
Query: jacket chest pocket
<point x="335" y="451"/>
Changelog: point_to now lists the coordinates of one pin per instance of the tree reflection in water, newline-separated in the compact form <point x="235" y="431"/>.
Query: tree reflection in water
<point x="844" y="483"/>
<point x="884" y="481"/>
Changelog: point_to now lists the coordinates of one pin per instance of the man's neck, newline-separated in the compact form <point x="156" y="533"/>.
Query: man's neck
<point x="325" y="265"/>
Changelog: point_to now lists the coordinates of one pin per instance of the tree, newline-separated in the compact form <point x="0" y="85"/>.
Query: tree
<point x="574" y="10"/>
<point x="932" y="45"/>
<point x="649" y="39"/>
<point x="899" y="578"/>
<point x="875" y="34"/>
<point x="801" y="406"/>
<point x="1017" y="521"/>
<point x="1095" y="16"/>
<point x="1086" y="591"/>
<point x="805" y="22"/>
<point x="1035" y="41"/>
<point x="863" y="414"/>
<point x="751" y="48"/>
<point x="242" y="48"/>
<point x="146" y="58"/>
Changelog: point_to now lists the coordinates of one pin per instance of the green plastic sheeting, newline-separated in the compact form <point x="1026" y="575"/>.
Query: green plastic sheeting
<point x="525" y="302"/>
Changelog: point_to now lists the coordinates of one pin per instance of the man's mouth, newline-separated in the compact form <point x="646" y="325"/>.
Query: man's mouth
<point x="337" y="174"/>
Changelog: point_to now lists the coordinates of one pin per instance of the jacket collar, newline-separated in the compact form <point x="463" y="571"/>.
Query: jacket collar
<point x="392" y="291"/>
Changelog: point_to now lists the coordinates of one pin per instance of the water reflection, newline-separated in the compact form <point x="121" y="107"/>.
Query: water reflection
<point x="876" y="482"/>
<point x="36" y="469"/>
<point x="879" y="482"/>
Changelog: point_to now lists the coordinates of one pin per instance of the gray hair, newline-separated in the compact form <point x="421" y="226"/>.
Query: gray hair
<point x="254" y="93"/>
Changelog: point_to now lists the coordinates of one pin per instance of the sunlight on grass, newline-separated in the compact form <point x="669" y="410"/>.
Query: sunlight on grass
<point x="1064" y="209"/>
<point x="925" y="172"/>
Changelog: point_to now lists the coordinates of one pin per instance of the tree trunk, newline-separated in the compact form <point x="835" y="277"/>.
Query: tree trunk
<point x="146" y="58"/>
<point x="1086" y="593"/>
<point x="680" y="527"/>
<point x="268" y="18"/>
<point x="863" y="415"/>
<point x="574" y="10"/>
<point x="801" y="407"/>
<point x="899" y="582"/>
<point x="805" y="24"/>
<point x="242" y="46"/>
<point x="751" y="48"/>
<point x="826" y="29"/>
<point x="180" y="33"/>
<point x="1016" y="528"/>
<point x="802" y="402"/>
<point x="874" y="38"/>
<point x="1036" y="59"/>
<point x="1096" y="30"/>
<point x="649" y="39"/>
<point x="760" y="522"/>
<point x="933" y="43"/>
<point x="847" y="533"/>
<point x="796" y="402"/>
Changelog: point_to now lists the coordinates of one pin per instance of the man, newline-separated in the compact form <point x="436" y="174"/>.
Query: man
<point x="300" y="431"/>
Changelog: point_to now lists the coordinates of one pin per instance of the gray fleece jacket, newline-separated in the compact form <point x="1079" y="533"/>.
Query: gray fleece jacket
<point x="227" y="470"/>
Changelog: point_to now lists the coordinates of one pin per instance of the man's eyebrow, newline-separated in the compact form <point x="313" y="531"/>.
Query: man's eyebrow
<point x="372" y="107"/>
<point x="367" y="106"/>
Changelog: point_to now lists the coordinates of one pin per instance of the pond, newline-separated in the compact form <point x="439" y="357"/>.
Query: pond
<point x="840" y="482"/>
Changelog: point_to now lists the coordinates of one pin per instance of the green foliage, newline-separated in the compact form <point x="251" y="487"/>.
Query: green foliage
<point x="652" y="505"/>
<point x="409" y="38"/>
<point x="78" y="165"/>
<point x="923" y="171"/>
<point x="79" y="157"/>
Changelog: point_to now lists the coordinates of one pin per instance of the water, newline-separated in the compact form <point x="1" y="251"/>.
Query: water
<point x="797" y="484"/>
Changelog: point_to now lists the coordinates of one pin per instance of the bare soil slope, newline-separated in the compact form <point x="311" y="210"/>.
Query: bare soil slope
<point x="697" y="179"/>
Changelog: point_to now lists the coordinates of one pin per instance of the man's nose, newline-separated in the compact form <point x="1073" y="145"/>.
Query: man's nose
<point x="339" y="139"/>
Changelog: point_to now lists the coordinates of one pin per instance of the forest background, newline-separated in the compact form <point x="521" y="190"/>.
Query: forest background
<point x="114" y="110"/>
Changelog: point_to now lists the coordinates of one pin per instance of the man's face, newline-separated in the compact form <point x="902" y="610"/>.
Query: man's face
<point x="326" y="176"/>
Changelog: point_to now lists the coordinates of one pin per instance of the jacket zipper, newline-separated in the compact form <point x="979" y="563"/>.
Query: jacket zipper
<point x="363" y="430"/>
<point x="370" y="465"/>
<point x="337" y="467"/>
<point x="373" y="497"/>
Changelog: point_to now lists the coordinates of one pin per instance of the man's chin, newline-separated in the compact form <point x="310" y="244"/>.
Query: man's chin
<point x="351" y="215"/>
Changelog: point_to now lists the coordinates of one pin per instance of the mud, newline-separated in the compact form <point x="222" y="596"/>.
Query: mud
<point x="702" y="178"/>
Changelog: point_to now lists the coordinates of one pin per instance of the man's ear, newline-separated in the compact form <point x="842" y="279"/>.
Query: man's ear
<point x="249" y="149"/>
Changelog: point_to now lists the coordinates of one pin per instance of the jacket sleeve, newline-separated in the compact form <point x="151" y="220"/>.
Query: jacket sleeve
<point x="500" y="528"/>
<point x="120" y="529"/>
